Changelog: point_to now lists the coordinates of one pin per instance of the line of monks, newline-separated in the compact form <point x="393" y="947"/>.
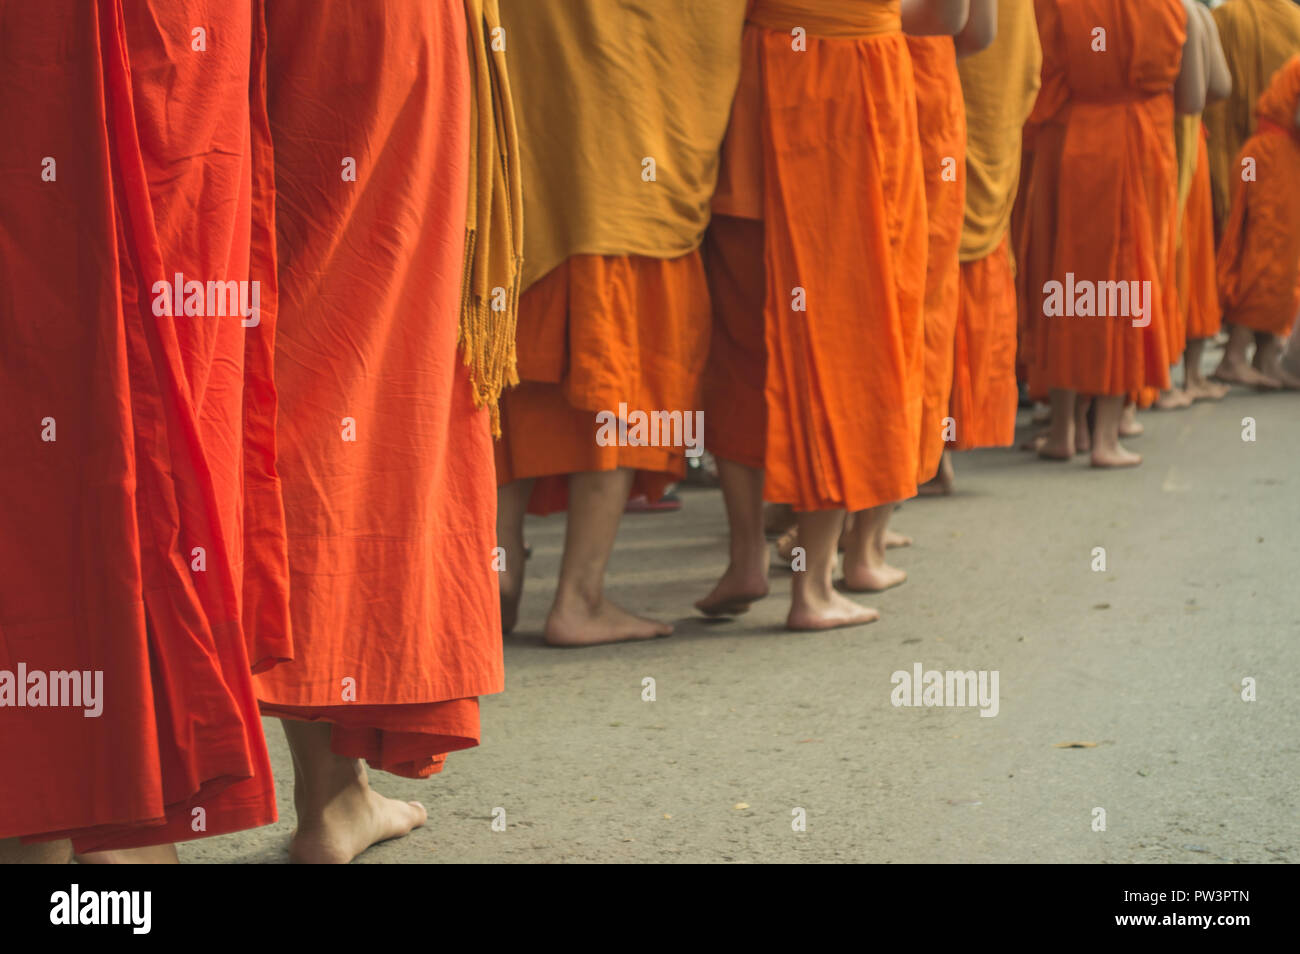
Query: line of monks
<point x="851" y="231"/>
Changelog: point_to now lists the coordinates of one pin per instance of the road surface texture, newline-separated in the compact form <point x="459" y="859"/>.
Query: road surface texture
<point x="1147" y="659"/>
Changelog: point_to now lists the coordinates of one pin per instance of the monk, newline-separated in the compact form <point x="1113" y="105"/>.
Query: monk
<point x="142" y="542"/>
<point x="1114" y="73"/>
<point x="1198" y="293"/>
<point x="1259" y="258"/>
<point x="397" y="233"/>
<point x="622" y="110"/>
<point x="1258" y="36"/>
<point x="999" y="87"/>
<point x="941" y="122"/>
<point x="1192" y="174"/>
<point x="816" y="263"/>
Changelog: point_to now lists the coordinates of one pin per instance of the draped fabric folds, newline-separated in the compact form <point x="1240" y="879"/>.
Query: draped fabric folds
<point x="143" y="538"/>
<point x="824" y="149"/>
<point x="386" y="459"/>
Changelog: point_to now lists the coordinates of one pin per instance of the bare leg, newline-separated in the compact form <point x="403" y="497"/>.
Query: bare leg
<point x="1082" y="432"/>
<point x="581" y="615"/>
<point x="512" y="505"/>
<point x="745" y="579"/>
<point x="1235" y="369"/>
<point x="1267" y="350"/>
<point x="865" y="568"/>
<point x="777" y="519"/>
<point x="1106" y="448"/>
<point x="1272" y="364"/>
<point x="339" y="815"/>
<point x="815" y="603"/>
<point x="1195" y="382"/>
<point x="1059" y="444"/>
<point x="790" y="539"/>
<point x="14" y="852"/>
<point x="1129" y="425"/>
<point x="940" y="485"/>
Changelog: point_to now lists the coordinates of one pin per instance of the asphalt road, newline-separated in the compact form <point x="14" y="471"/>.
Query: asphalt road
<point x="1146" y="659"/>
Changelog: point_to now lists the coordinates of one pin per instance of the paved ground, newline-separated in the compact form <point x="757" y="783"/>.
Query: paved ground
<point x="1146" y="660"/>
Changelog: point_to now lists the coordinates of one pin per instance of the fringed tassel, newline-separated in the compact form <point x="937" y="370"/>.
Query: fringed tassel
<point x="487" y="339"/>
<point x="493" y="243"/>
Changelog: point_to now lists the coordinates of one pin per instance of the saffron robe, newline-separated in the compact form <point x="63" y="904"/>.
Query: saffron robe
<point x="385" y="460"/>
<point x="596" y="332"/>
<point x="941" y="120"/>
<point x="1258" y="36"/>
<point x="1116" y="206"/>
<point x="823" y="164"/>
<point x="1198" y="287"/>
<point x="620" y="155"/>
<point x="142" y="536"/>
<point x="1000" y="85"/>
<point x="1259" y="257"/>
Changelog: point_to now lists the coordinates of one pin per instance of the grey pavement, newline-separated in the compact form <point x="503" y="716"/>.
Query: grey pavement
<point x="1147" y="660"/>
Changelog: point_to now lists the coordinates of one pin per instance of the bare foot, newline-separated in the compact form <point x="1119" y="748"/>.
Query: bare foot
<point x="1239" y="372"/>
<point x="860" y="578"/>
<point x="826" y="612"/>
<point x="1034" y="442"/>
<point x="895" y="539"/>
<point x="575" y="623"/>
<point x="1082" y="439"/>
<point x="786" y="543"/>
<point x="740" y="586"/>
<point x="1173" y="400"/>
<point x="355" y="818"/>
<point x="1285" y="379"/>
<point x="1118" y="456"/>
<point x="1047" y="450"/>
<point x="942" y="483"/>
<point x="153" y="855"/>
<point x="1203" y="389"/>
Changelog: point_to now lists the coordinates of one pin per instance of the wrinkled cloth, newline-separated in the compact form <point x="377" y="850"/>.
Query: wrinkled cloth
<point x="621" y="109"/>
<point x="1258" y="36"/>
<point x="143" y="538"/>
<point x="1259" y="257"/>
<point x="1115" y="205"/>
<point x="386" y="462"/>
<point x="824" y="149"/>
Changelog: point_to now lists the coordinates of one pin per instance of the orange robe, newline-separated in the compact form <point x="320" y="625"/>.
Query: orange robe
<point x="594" y="333"/>
<point x="385" y="461"/>
<point x="1033" y="224"/>
<point x="614" y="316"/>
<point x="941" y="119"/>
<point x="1259" y="257"/>
<point x="1000" y="86"/>
<point x="1198" y="283"/>
<point x="142" y="536"/>
<point x="822" y="166"/>
<point x="1258" y="37"/>
<point x="1115" y="207"/>
<point x="984" y="392"/>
